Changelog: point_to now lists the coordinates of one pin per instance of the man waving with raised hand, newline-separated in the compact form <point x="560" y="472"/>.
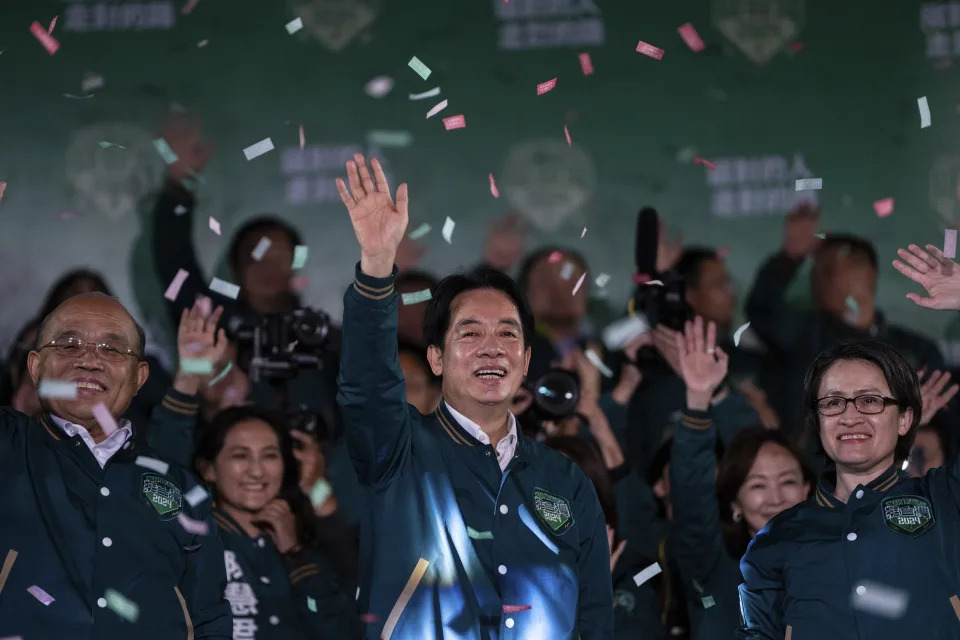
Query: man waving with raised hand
<point x="474" y="531"/>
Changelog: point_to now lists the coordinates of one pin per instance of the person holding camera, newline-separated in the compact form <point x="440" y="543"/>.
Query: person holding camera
<point x="475" y="529"/>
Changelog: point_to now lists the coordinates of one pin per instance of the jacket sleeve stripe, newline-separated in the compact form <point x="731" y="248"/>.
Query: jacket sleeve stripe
<point x="303" y="575"/>
<point x="404" y="598"/>
<point x="186" y="613"/>
<point x="7" y="566"/>
<point x="373" y="296"/>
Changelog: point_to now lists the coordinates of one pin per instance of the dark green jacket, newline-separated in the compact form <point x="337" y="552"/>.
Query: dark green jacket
<point x="710" y="574"/>
<point x="282" y="597"/>
<point x="76" y="530"/>
<point x="883" y="566"/>
<point x="456" y="548"/>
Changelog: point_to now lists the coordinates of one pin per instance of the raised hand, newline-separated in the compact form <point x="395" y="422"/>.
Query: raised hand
<point x="197" y="336"/>
<point x="939" y="275"/>
<point x="310" y="459"/>
<point x="799" y="231"/>
<point x="703" y="365"/>
<point x="378" y="223"/>
<point x="278" y="520"/>
<point x="183" y="136"/>
<point x="935" y="394"/>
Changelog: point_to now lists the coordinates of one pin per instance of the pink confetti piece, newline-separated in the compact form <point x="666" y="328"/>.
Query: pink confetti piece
<point x="514" y="608"/>
<point x="883" y="207"/>
<point x="437" y="108"/>
<point x="106" y="421"/>
<point x="302" y="139"/>
<point x="187" y="8"/>
<point x="454" y="122"/>
<point x="214" y="225"/>
<point x="795" y="46"/>
<point x="555" y="257"/>
<point x="174" y="288"/>
<point x="690" y="36"/>
<point x="53" y="23"/>
<point x="48" y="41"/>
<point x="41" y="595"/>
<point x="368" y="618"/>
<point x="704" y="162"/>
<point x="493" y="187"/>
<point x="566" y="132"/>
<point x="950" y="243"/>
<point x="577" y="286"/>
<point x="3" y="186"/>
<point x="583" y="233"/>
<point x="543" y="87"/>
<point x="650" y="50"/>
<point x="196" y="527"/>
<point x="585" y="64"/>
<point x="723" y="252"/>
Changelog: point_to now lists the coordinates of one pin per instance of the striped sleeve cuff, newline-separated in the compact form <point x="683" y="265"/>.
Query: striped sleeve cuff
<point x="373" y="288"/>
<point x="696" y="420"/>
<point x="181" y="403"/>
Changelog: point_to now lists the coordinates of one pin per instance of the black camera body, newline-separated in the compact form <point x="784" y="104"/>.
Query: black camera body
<point x="275" y="347"/>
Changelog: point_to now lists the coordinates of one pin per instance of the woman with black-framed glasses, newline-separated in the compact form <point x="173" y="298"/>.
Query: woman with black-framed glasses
<point x="873" y="553"/>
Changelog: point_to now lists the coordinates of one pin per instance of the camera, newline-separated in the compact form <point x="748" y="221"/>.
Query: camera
<point x="666" y="304"/>
<point x="555" y="394"/>
<point x="275" y="347"/>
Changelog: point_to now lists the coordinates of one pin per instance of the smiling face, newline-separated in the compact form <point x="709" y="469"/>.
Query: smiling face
<point x="775" y="483"/>
<point x="484" y="358"/>
<point x="94" y="318"/>
<point x="248" y="470"/>
<point x="857" y="442"/>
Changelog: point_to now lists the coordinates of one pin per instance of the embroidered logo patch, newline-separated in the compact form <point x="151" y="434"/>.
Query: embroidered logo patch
<point x="553" y="511"/>
<point x="163" y="495"/>
<point x="908" y="515"/>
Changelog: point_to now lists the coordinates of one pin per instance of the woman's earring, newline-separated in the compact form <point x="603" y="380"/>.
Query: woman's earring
<point x="737" y="516"/>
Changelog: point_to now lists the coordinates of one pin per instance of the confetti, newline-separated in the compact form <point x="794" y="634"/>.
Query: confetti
<point x="579" y="283"/>
<point x="57" y="389"/>
<point x="53" y="23"/>
<point x="879" y="600"/>
<point x="583" y="233"/>
<point x="70" y="95"/>
<point x="596" y="361"/>
<point x="3" y="187"/>
<point x="708" y="601"/>
<point x="704" y="162"/>
<point x="822" y="236"/>
<point x="320" y="492"/>
<point x="152" y="463"/>
<point x="419" y="232"/>
<point x="48" y="41"/>
<point x="924" y="111"/>
<point x="853" y="310"/>
<point x="543" y="87"/>
<point x="187" y="8"/>
<point x="90" y="82"/>
<point x="602" y="280"/>
<point x="390" y="138"/>
<point x="379" y="87"/>
<point x="646" y="574"/>
<point x="883" y="207"/>
<point x="174" y="288"/>
<point x="300" y="253"/>
<point x="650" y="50"/>
<point x="196" y="495"/>
<point x="566" y="272"/>
<point x="202" y="44"/>
<point x="479" y="535"/>
<point x="690" y="36"/>
<point x="294" y="25"/>
<point x="261" y="249"/>
<point x="311" y="604"/>
<point x="41" y="595"/>
<point x="738" y="334"/>
<point x="493" y="187"/>
<point x="422" y="70"/>
<point x="585" y="64"/>
<point x="555" y="257"/>
<point x="447" y="231"/>
<point x="649" y="283"/>
<point x="196" y="527"/>
<point x="214" y="225"/>
<point x="106" y="421"/>
<point x="809" y="184"/>
<point x="220" y="376"/>
<point x="454" y="122"/>
<point x="437" y="108"/>
<point x="106" y="144"/>
<point x="258" y="149"/>
<point x="165" y="151"/>
<point x="426" y="94"/>
<point x="566" y="132"/>
<point x="302" y="138"/>
<point x="122" y="606"/>
<point x="416" y="297"/>
<point x="514" y="608"/>
<point x="618" y="333"/>
<point x="179" y="210"/>
<point x="197" y="366"/>
<point x="950" y="243"/>
<point x="225" y="288"/>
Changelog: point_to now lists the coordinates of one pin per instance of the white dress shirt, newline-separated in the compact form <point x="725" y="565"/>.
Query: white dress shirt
<point x="103" y="451"/>
<point x="507" y="445"/>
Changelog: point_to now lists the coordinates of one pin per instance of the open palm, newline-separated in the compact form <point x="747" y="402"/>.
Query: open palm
<point x="939" y="275"/>
<point x="198" y="338"/>
<point x="378" y="222"/>
<point x="703" y="365"/>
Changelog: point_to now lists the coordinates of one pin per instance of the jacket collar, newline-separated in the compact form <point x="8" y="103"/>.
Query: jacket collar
<point x="226" y="523"/>
<point x="453" y="429"/>
<point x="824" y="497"/>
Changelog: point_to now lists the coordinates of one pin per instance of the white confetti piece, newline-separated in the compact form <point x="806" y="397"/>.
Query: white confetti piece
<point x="583" y="233"/>
<point x="300" y="254"/>
<point x="197" y="366"/>
<point x="90" y="82"/>
<point x="121" y="605"/>
<point x="261" y="249"/>
<point x="419" y="232"/>
<point x="738" y="334"/>
<point x="880" y="600"/>
<point x="165" y="151"/>
<point x="950" y="243"/>
<point x="196" y="495"/>
<point x="426" y="94"/>
<point x="566" y="272"/>
<point x="924" y="112"/>
<point x="437" y="108"/>
<point x="57" y="389"/>
<point x="214" y="225"/>
<point x="479" y="535"/>
<point x="379" y="87"/>
<point x="196" y="527"/>
<point x="320" y="493"/>
<point x="106" y="421"/>
<point x="202" y="44"/>
<point x="41" y="595"/>
<point x="618" y="333"/>
<point x="809" y="184"/>
<point x="416" y="297"/>
<point x="422" y="70"/>
<point x="390" y="138"/>
<point x="312" y="604"/>
<point x="646" y="574"/>
<point x="447" y="231"/>
<point x="596" y="361"/>
<point x="579" y="283"/>
<point x="152" y="463"/>
<point x="602" y="280"/>
<point x="179" y="210"/>
<point x="225" y="288"/>
<point x="294" y="25"/>
<point x="652" y="283"/>
<point x="258" y="149"/>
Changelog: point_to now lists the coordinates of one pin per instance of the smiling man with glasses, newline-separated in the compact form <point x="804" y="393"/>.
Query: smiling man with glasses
<point x="91" y="537"/>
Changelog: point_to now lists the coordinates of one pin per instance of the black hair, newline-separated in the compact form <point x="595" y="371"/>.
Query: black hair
<point x="436" y="320"/>
<point x="690" y="265"/>
<point x="210" y="443"/>
<point x="60" y="290"/>
<point x="900" y="376"/>
<point x="405" y="278"/>
<point x="852" y="244"/>
<point x="418" y="352"/>
<point x="538" y="256"/>
<point x="733" y="470"/>
<point x="261" y="225"/>
<point x="588" y="457"/>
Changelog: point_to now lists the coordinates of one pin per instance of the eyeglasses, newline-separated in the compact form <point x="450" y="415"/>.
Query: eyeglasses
<point x="867" y="404"/>
<point x="74" y="347"/>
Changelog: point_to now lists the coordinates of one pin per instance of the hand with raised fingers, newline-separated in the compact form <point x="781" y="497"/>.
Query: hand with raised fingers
<point x="939" y="275"/>
<point x="703" y="365"/>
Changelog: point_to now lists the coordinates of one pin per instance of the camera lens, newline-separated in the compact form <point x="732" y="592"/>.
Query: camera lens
<point x="556" y="393"/>
<point x="311" y="328"/>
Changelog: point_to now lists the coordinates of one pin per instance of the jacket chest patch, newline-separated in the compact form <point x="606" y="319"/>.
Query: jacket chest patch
<point x="163" y="495"/>
<point x="553" y="511"/>
<point x="910" y="516"/>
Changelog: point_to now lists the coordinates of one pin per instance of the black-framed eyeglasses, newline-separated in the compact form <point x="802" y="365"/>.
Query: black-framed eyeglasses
<point x="74" y="347"/>
<point x="868" y="404"/>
